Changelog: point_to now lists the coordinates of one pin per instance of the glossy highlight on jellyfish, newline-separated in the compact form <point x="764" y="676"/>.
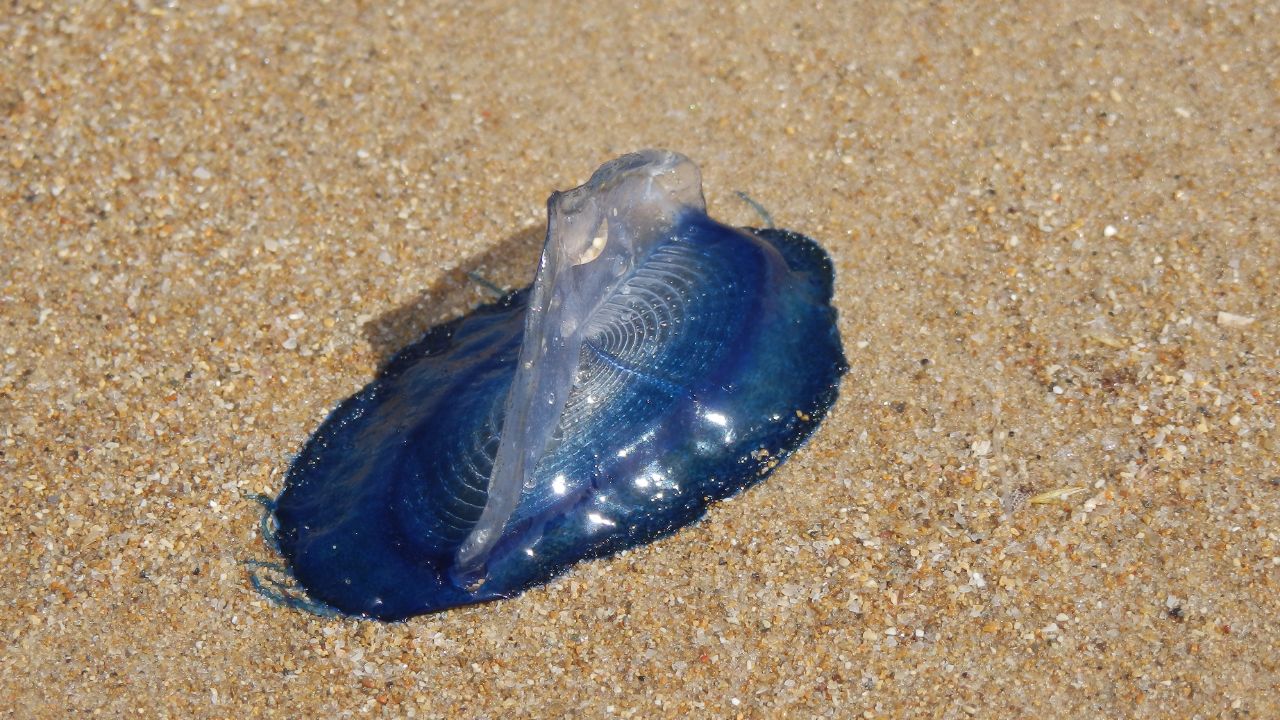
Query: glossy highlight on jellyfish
<point x="659" y="362"/>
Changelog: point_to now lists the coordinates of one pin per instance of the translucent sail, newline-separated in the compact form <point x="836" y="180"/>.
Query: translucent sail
<point x="596" y="234"/>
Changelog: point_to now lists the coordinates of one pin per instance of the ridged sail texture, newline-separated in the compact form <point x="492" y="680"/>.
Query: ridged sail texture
<point x="661" y="361"/>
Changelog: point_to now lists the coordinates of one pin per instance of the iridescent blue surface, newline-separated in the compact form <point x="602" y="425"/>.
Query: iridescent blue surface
<point x="716" y="358"/>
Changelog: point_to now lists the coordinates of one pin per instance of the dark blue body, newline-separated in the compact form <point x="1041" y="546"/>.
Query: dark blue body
<point x="377" y="502"/>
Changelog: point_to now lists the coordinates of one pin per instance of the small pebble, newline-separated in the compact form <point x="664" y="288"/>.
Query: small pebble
<point x="1232" y="320"/>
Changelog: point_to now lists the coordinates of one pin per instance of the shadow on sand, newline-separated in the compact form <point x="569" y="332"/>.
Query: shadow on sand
<point x="479" y="279"/>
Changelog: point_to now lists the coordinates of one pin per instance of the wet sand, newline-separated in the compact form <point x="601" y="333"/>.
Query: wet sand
<point x="1050" y="487"/>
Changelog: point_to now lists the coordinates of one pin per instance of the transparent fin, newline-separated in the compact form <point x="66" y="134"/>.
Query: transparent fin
<point x="596" y="234"/>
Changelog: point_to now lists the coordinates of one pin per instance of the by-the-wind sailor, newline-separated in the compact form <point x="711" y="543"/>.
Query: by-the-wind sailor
<point x="660" y="361"/>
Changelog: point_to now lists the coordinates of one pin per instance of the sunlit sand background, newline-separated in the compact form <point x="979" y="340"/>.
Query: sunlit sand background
<point x="1050" y="487"/>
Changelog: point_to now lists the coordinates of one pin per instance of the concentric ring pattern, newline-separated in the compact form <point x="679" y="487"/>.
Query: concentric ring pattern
<point x="713" y="360"/>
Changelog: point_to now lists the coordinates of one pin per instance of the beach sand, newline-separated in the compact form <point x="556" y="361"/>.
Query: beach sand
<point x="1050" y="487"/>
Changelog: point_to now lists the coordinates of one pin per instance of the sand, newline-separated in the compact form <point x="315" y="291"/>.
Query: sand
<point x="1050" y="487"/>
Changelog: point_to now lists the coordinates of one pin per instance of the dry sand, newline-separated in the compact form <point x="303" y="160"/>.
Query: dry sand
<point x="1052" y="227"/>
